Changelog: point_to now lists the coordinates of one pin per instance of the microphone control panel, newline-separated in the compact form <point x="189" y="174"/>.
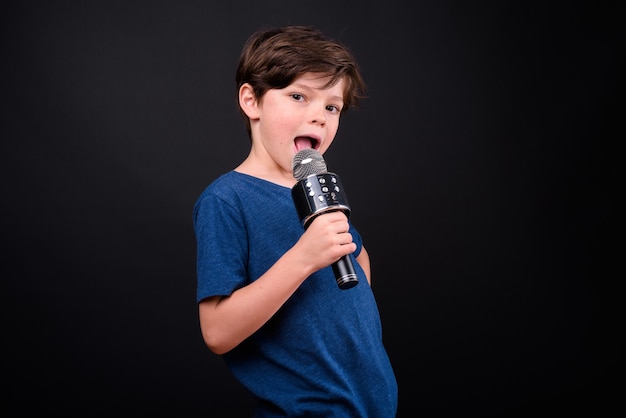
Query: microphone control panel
<point x="317" y="194"/>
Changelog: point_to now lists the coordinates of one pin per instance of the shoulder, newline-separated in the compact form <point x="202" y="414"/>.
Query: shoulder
<point x="225" y="187"/>
<point x="237" y="191"/>
<point x="220" y="190"/>
<point x="222" y="184"/>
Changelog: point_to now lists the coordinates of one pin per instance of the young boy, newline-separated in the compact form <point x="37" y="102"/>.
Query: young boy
<point x="267" y="296"/>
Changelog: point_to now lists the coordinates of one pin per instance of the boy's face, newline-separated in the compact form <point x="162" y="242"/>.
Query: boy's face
<point x="302" y="115"/>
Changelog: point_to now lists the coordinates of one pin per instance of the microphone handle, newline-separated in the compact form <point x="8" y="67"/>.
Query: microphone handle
<point x="344" y="273"/>
<point x="315" y="195"/>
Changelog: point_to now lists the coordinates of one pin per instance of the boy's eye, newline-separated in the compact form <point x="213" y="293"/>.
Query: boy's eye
<point x="297" y="96"/>
<point x="333" y="108"/>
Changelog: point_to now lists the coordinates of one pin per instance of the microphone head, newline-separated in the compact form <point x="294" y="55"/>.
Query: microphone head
<point x="307" y="162"/>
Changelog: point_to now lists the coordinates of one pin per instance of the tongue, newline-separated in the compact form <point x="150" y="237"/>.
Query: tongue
<point x="302" y="142"/>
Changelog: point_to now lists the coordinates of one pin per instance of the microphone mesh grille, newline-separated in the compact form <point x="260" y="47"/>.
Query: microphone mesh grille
<point x="307" y="162"/>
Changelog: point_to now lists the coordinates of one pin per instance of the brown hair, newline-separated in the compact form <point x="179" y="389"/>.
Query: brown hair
<point x="273" y="57"/>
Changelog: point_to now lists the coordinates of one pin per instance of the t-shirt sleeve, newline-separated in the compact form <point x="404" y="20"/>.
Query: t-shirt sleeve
<point x="356" y="238"/>
<point x="221" y="247"/>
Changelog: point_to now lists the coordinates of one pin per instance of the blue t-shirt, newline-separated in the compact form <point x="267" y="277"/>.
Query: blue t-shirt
<point x="321" y="354"/>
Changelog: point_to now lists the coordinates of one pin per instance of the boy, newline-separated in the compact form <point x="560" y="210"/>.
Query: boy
<point x="267" y="296"/>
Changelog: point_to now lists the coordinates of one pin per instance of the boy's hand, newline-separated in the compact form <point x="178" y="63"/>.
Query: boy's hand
<point x="326" y="240"/>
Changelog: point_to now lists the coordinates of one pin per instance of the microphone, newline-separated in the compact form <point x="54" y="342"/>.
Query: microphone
<point x="317" y="192"/>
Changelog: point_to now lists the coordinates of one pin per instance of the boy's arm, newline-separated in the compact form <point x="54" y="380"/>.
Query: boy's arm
<point x="225" y="321"/>
<point x="364" y="261"/>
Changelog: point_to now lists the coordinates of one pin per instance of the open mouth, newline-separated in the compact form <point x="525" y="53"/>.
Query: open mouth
<point x="303" y="142"/>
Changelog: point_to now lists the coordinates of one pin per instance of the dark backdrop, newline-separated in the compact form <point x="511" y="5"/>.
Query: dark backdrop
<point x="480" y="172"/>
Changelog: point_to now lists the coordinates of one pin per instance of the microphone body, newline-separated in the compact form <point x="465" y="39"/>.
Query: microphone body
<point x="317" y="192"/>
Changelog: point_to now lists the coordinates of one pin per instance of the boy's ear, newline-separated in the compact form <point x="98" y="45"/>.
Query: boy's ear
<point x="248" y="101"/>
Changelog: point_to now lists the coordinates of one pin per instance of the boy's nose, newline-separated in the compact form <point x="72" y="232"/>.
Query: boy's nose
<point x="318" y="115"/>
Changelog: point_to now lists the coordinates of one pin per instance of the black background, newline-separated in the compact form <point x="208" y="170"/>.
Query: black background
<point x="480" y="171"/>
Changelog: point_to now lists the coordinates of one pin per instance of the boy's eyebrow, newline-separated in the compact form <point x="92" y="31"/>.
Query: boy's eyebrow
<point x="304" y="86"/>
